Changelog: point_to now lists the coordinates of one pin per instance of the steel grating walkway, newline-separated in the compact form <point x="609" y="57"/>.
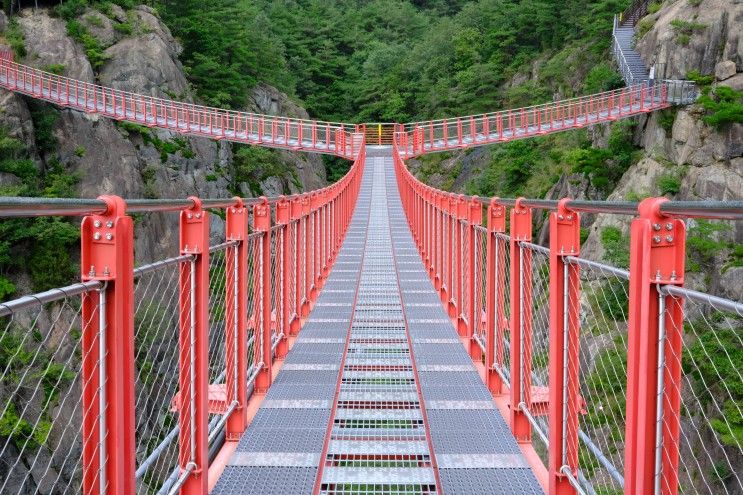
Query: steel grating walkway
<point x="378" y="395"/>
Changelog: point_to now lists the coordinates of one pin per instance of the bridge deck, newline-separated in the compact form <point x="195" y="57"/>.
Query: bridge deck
<point x="378" y="395"/>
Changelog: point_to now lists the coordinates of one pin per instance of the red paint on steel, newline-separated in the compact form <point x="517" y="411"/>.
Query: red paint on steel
<point x="283" y="218"/>
<point x="237" y="318"/>
<point x="564" y="394"/>
<point x="264" y="354"/>
<point x="107" y="255"/>
<point x="657" y="255"/>
<point x="193" y="379"/>
<point x="521" y="320"/>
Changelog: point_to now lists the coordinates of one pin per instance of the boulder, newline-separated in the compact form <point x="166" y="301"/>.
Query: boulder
<point x="725" y="70"/>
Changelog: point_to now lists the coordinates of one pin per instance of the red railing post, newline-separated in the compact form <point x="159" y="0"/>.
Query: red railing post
<point x="521" y="319"/>
<point x="564" y="392"/>
<point x="306" y="252"/>
<point x="657" y="254"/>
<point x="107" y="255"/>
<point x="468" y="312"/>
<point x="283" y="217"/>
<point x="495" y="296"/>
<point x="296" y="217"/>
<point x="458" y="208"/>
<point x="237" y="318"/>
<point x="193" y="414"/>
<point x="262" y="223"/>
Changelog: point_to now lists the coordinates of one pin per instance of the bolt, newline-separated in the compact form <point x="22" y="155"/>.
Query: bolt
<point x="656" y="227"/>
<point x="657" y="275"/>
<point x="656" y="238"/>
<point x="673" y="275"/>
<point x="109" y="224"/>
<point x="198" y="215"/>
<point x="97" y="224"/>
<point x="560" y="217"/>
<point x="109" y="236"/>
<point x="570" y="217"/>
<point x="669" y="226"/>
<point x="669" y="238"/>
<point x="106" y="271"/>
<point x="91" y="272"/>
<point x="190" y="216"/>
<point x="97" y="236"/>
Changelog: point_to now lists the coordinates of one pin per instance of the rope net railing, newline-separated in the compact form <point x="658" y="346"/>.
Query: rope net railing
<point x="618" y="381"/>
<point x="132" y="377"/>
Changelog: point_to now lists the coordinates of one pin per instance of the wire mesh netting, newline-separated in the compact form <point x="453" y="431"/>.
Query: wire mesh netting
<point x="502" y="362"/>
<point x="218" y="309"/>
<point x="711" y="390"/>
<point x="603" y="373"/>
<point x="537" y="283"/>
<point x="156" y="331"/>
<point x="41" y="412"/>
<point x="479" y="299"/>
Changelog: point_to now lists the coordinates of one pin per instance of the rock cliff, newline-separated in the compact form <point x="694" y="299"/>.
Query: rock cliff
<point x="134" y="162"/>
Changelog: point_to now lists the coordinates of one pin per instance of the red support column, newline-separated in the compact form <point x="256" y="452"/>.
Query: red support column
<point x="283" y="217"/>
<point x="306" y="249"/>
<point x="237" y="318"/>
<point x="107" y="255"/>
<point x="564" y="392"/>
<point x="193" y="416"/>
<point x="296" y="217"/>
<point x="495" y="293"/>
<point x="521" y="311"/>
<point x="657" y="254"/>
<point x="458" y="208"/>
<point x="262" y="223"/>
<point x="469" y="315"/>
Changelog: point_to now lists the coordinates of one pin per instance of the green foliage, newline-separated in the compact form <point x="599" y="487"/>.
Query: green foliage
<point x="39" y="246"/>
<point x="616" y="246"/>
<point x="666" y="118"/>
<point x="44" y="118"/>
<point x="55" y="69"/>
<point x="253" y="165"/>
<point x="704" y="243"/>
<point x="53" y="378"/>
<point x="15" y="38"/>
<point x="701" y="80"/>
<point x="644" y="27"/>
<point x="669" y="183"/>
<point x="604" y="167"/>
<point x="711" y="361"/>
<point x="724" y="106"/>
<point x="685" y="30"/>
<point x="601" y="78"/>
<point x="93" y="47"/>
<point x="80" y="151"/>
<point x="20" y="431"/>
<point x="654" y="7"/>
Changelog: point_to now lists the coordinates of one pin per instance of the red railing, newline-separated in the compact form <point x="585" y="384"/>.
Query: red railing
<point x="196" y="335"/>
<point x="503" y="126"/>
<point x="524" y="310"/>
<point x="185" y="118"/>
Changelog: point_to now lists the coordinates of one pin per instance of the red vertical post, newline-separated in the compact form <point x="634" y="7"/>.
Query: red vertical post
<point x="564" y="398"/>
<point x="521" y="311"/>
<point x="262" y="223"/>
<point x="495" y="296"/>
<point x="306" y="251"/>
<point x="296" y="217"/>
<point x="469" y="313"/>
<point x="657" y="254"/>
<point x="193" y="416"/>
<point x="237" y="318"/>
<point x="458" y="209"/>
<point x="283" y="218"/>
<point x="107" y="255"/>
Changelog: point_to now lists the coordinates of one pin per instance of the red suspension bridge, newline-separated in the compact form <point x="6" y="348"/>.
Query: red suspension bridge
<point x="375" y="336"/>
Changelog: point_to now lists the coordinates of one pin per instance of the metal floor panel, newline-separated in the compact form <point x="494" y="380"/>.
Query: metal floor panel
<point x="376" y="378"/>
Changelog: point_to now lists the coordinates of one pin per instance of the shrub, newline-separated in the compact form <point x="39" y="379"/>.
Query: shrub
<point x="55" y="69"/>
<point x="724" y="106"/>
<point x="15" y="38"/>
<point x="80" y="151"/>
<point x="669" y="183"/>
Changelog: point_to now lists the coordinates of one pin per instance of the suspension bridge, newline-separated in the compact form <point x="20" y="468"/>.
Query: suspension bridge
<point x="375" y="336"/>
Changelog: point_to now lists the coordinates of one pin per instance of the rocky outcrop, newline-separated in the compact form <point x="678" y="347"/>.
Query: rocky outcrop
<point x="110" y="158"/>
<point x="685" y="37"/>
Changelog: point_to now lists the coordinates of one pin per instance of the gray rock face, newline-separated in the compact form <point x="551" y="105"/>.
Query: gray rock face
<point x="111" y="160"/>
<point x="725" y="70"/>
<point x="47" y="44"/>
<point x="713" y="33"/>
